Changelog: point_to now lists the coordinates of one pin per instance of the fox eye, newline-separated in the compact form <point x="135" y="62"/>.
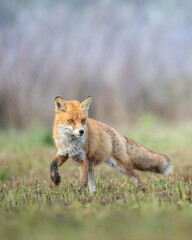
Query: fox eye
<point x="83" y="120"/>
<point x="70" y="121"/>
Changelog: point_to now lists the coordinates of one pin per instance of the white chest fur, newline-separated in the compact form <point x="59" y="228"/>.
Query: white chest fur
<point x="70" y="144"/>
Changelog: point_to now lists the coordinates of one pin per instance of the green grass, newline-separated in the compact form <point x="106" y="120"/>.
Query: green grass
<point x="31" y="207"/>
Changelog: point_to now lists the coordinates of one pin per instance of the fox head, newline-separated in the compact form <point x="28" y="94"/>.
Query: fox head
<point x="72" y="115"/>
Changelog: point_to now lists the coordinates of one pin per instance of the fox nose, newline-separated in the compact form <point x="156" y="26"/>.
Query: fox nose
<point x="81" y="131"/>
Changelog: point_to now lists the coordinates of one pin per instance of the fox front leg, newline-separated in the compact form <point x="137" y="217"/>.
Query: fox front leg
<point x="92" y="185"/>
<point x="84" y="167"/>
<point x="54" y="172"/>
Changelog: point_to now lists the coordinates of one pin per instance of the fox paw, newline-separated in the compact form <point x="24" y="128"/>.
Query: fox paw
<point x="56" y="179"/>
<point x="83" y="189"/>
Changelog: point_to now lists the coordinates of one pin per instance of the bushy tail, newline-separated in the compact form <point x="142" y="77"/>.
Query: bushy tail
<point x="144" y="159"/>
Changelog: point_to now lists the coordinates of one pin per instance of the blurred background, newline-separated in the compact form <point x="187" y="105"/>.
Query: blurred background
<point x="133" y="56"/>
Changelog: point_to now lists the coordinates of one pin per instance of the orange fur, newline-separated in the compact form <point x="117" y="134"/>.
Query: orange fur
<point x="99" y="144"/>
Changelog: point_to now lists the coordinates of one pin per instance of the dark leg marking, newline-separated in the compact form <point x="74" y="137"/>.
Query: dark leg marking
<point x="54" y="173"/>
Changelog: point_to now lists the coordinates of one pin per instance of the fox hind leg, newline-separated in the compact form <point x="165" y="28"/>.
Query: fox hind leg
<point x="127" y="169"/>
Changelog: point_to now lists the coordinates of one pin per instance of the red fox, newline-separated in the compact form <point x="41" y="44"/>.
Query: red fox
<point x="88" y="143"/>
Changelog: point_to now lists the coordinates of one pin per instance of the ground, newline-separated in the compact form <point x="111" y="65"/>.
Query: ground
<point x="31" y="207"/>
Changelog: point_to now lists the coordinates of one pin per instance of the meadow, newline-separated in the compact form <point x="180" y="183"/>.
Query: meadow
<point x="31" y="207"/>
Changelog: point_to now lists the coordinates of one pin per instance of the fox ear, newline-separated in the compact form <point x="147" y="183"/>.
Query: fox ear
<point x="85" y="103"/>
<point x="60" y="104"/>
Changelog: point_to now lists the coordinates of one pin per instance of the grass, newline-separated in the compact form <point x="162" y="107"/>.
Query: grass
<point x="32" y="208"/>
